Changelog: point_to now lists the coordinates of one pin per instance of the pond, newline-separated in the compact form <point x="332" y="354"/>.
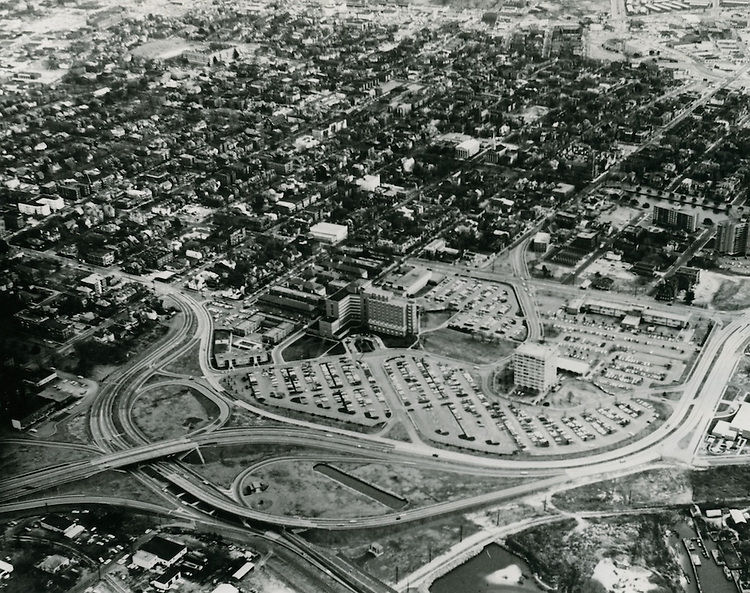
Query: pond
<point x="493" y="570"/>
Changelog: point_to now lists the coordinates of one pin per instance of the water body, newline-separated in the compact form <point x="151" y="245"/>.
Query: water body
<point x="474" y="575"/>
<point x="710" y="574"/>
<point x="386" y="498"/>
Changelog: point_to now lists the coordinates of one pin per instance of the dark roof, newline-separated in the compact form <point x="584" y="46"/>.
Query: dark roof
<point x="164" y="549"/>
<point x="168" y="575"/>
<point x="57" y="522"/>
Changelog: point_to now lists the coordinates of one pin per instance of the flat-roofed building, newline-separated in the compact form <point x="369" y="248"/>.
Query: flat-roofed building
<point x="534" y="367"/>
<point x="327" y="232"/>
<point x="741" y="421"/>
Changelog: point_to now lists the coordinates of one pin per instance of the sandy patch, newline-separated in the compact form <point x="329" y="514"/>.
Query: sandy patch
<point x="614" y="578"/>
<point x="708" y="286"/>
<point x="510" y="575"/>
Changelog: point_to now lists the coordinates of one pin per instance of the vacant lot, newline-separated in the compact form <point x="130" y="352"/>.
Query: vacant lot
<point x="649" y="488"/>
<point x="461" y="346"/>
<point x="187" y="364"/>
<point x="220" y="465"/>
<point x="405" y="547"/>
<point x="568" y="553"/>
<point x="732" y="295"/>
<point x="109" y="483"/>
<point x="421" y="487"/>
<point x="19" y="459"/>
<point x="323" y="496"/>
<point x="168" y="411"/>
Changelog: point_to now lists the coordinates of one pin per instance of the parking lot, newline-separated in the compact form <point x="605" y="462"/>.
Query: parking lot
<point x="333" y="387"/>
<point x="623" y="360"/>
<point x="486" y="308"/>
<point x="447" y="405"/>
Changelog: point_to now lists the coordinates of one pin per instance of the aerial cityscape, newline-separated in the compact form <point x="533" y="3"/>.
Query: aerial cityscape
<point x="375" y="296"/>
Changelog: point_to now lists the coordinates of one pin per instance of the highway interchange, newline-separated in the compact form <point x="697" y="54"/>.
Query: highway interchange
<point x="117" y="442"/>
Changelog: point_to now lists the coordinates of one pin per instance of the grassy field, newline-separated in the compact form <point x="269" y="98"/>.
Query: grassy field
<point x="423" y="487"/>
<point x="323" y="497"/>
<point x="170" y="411"/>
<point x="108" y="483"/>
<point x="19" y="459"/>
<point x="307" y="347"/>
<point x="398" y="432"/>
<point x="405" y="547"/>
<point x="729" y="482"/>
<point x="732" y="295"/>
<point x="461" y="346"/>
<point x="222" y="464"/>
<point x="433" y="319"/>
<point x="649" y="488"/>
<point x="187" y="364"/>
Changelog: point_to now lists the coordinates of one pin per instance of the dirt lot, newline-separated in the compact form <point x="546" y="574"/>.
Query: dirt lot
<point x="461" y="346"/>
<point x="168" y="411"/>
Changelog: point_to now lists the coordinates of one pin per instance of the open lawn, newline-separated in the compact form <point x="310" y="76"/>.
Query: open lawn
<point x="460" y="346"/>
<point x="433" y="319"/>
<point x="168" y="411"/>
<point x="307" y="347"/>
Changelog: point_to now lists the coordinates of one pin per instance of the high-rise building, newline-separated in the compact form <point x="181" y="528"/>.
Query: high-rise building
<point x="378" y="310"/>
<point x="388" y="314"/>
<point x="534" y="367"/>
<point x="676" y="218"/>
<point x="732" y="236"/>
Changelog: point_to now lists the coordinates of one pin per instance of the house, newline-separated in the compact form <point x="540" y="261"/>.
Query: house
<point x="167" y="579"/>
<point x="159" y="550"/>
<point x="242" y="568"/>
<point x="53" y="564"/>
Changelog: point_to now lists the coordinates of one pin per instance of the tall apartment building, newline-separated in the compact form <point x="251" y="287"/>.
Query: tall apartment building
<point x="675" y="217"/>
<point x="377" y="310"/>
<point x="534" y="367"/>
<point x="732" y="237"/>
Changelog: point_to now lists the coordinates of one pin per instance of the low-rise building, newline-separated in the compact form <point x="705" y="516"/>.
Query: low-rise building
<point x="159" y="551"/>
<point x="741" y="421"/>
<point x="327" y="232"/>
